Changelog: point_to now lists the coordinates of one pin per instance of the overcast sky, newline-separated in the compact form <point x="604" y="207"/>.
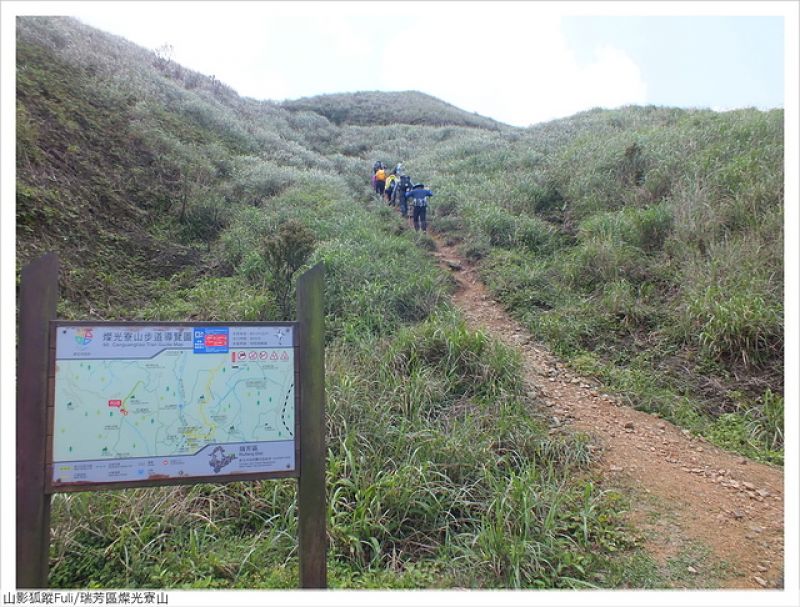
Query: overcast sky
<point x="518" y="62"/>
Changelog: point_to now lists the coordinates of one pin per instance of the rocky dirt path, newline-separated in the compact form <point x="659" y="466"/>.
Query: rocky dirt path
<point x="709" y="518"/>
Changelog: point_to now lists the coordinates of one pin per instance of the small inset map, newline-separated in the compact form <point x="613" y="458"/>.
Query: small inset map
<point x="139" y="402"/>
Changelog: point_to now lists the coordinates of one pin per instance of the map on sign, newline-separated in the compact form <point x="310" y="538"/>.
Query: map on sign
<point x="153" y="402"/>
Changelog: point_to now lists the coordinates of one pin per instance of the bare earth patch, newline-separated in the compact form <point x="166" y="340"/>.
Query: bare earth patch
<point x="715" y="515"/>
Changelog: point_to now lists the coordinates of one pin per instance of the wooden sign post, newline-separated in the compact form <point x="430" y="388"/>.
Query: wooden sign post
<point x="55" y="368"/>
<point x="311" y="501"/>
<point x="37" y="307"/>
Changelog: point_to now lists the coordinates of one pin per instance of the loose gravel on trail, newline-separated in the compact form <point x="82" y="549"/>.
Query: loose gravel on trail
<point x="687" y="496"/>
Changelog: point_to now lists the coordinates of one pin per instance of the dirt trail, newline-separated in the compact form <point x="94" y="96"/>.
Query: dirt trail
<point x="709" y="517"/>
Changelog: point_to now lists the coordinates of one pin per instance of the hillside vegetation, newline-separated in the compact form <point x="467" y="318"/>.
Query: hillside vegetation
<point x="644" y="244"/>
<point x="371" y="108"/>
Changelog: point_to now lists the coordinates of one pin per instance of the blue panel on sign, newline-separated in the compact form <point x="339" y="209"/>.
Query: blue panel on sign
<point x="211" y="340"/>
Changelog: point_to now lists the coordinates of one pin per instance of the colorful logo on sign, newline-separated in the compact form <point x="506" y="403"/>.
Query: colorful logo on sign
<point x="83" y="336"/>
<point x="211" y="340"/>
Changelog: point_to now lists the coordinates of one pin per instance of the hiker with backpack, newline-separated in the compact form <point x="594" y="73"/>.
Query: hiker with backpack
<point x="389" y="190"/>
<point x="380" y="181"/>
<point x="418" y="196"/>
<point x="402" y="186"/>
<point x="377" y="166"/>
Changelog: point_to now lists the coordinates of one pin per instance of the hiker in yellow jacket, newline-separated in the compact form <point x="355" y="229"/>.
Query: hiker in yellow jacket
<point x="389" y="189"/>
<point x="380" y="181"/>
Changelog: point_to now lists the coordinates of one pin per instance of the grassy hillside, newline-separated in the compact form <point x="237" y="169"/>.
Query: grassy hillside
<point x="166" y="196"/>
<point x="370" y="108"/>
<point x="646" y="245"/>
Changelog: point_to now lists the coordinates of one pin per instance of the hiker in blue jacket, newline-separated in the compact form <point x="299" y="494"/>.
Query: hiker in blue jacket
<point x="418" y="197"/>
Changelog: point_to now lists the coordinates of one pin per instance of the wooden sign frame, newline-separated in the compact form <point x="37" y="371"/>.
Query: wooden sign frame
<point x="38" y="299"/>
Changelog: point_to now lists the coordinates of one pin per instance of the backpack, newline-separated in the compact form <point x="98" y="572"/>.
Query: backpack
<point x="380" y="175"/>
<point x="419" y="201"/>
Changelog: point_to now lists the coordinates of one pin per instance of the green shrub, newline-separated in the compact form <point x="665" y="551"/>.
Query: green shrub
<point x="755" y="429"/>
<point x="529" y="197"/>
<point x="473" y="364"/>
<point x="650" y="227"/>
<point x="765" y="421"/>
<point x="522" y="281"/>
<point x="284" y="254"/>
<point x="533" y="234"/>
<point x="623" y="302"/>
<point x="734" y="326"/>
<point x="596" y="262"/>
<point x="498" y="225"/>
<point x="203" y="221"/>
<point x="646" y="229"/>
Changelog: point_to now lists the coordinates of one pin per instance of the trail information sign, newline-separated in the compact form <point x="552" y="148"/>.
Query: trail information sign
<point x="140" y="404"/>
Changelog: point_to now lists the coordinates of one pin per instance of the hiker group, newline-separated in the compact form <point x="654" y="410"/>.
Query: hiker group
<point x="397" y="190"/>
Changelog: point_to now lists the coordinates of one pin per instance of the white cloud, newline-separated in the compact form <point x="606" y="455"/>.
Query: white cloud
<point x="611" y="80"/>
<point x="519" y="71"/>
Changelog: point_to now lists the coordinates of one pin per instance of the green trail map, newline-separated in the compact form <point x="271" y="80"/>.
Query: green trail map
<point x="144" y="402"/>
